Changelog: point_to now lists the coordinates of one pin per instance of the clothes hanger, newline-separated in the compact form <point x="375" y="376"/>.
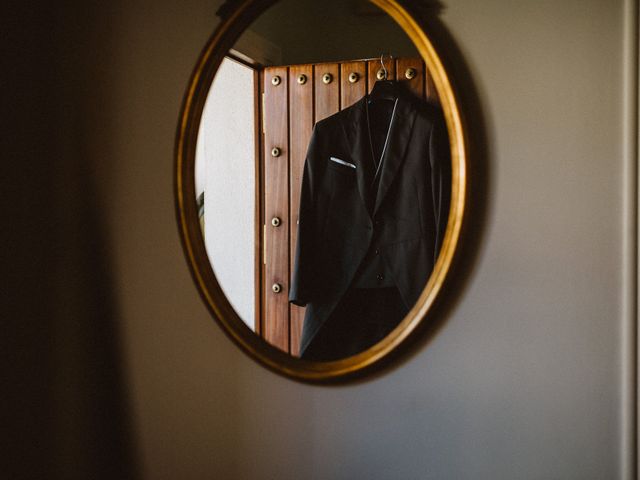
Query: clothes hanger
<point x="384" y="89"/>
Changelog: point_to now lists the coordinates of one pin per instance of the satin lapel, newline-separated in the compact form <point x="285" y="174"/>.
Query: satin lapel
<point x="399" y="135"/>
<point x="357" y="133"/>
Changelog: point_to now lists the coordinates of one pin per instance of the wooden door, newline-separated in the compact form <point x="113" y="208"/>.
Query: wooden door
<point x="294" y="98"/>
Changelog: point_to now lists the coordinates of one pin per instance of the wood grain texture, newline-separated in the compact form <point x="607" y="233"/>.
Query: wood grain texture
<point x="276" y="204"/>
<point x="352" y="92"/>
<point x="327" y="96"/>
<point x="300" y="125"/>
<point x="416" y="84"/>
<point x="430" y="87"/>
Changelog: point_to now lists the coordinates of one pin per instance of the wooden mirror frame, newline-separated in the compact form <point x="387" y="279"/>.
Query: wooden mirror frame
<point x="235" y="20"/>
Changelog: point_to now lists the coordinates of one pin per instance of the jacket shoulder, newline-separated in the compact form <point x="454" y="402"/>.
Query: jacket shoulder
<point x="428" y="112"/>
<point x="429" y="115"/>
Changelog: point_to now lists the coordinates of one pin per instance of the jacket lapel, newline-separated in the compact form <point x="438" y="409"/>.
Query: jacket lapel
<point x="357" y="133"/>
<point x="399" y="135"/>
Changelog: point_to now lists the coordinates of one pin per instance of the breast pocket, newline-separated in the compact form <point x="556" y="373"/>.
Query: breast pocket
<point x="342" y="166"/>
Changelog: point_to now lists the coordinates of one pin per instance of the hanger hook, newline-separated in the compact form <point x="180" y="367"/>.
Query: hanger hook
<point x="384" y="69"/>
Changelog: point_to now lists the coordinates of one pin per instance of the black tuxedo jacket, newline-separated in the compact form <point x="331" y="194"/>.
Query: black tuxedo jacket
<point x="340" y="218"/>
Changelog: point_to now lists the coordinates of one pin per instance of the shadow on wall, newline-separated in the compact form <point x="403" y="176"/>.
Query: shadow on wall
<point x="478" y="200"/>
<point x="65" y="412"/>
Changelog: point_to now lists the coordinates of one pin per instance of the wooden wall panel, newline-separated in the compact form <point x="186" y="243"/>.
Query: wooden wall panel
<point x="300" y="125"/>
<point x="416" y="84"/>
<point x="327" y="95"/>
<point x="352" y="92"/>
<point x="290" y="110"/>
<point x="373" y="66"/>
<point x="276" y="204"/>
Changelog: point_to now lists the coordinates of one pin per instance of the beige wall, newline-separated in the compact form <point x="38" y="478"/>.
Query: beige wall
<point x="526" y="377"/>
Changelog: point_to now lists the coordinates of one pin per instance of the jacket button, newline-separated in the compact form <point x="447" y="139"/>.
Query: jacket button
<point x="380" y="277"/>
<point x="376" y="252"/>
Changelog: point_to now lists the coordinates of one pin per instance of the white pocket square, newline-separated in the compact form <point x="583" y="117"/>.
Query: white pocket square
<point x="342" y="162"/>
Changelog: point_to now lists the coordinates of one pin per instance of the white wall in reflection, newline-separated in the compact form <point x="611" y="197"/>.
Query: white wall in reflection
<point x="225" y="171"/>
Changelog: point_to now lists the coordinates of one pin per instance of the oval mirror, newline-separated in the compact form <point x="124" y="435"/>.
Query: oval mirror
<point x="320" y="181"/>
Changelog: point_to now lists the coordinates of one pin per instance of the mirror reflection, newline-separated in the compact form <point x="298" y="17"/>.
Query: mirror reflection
<point x="322" y="177"/>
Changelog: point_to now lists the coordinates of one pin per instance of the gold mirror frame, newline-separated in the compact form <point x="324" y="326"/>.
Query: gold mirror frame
<point x="230" y="28"/>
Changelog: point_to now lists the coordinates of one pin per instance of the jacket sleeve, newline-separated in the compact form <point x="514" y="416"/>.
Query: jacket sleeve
<point x="305" y="273"/>
<point x="440" y="158"/>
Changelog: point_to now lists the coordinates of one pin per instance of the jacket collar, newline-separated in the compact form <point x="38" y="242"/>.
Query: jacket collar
<point x="358" y="138"/>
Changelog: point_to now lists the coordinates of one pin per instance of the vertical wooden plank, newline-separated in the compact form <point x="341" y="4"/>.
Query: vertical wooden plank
<point x="416" y="84"/>
<point x="351" y="92"/>
<point x="373" y="66"/>
<point x="327" y="95"/>
<point x="300" y="126"/>
<point x="430" y="87"/>
<point x="276" y="174"/>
